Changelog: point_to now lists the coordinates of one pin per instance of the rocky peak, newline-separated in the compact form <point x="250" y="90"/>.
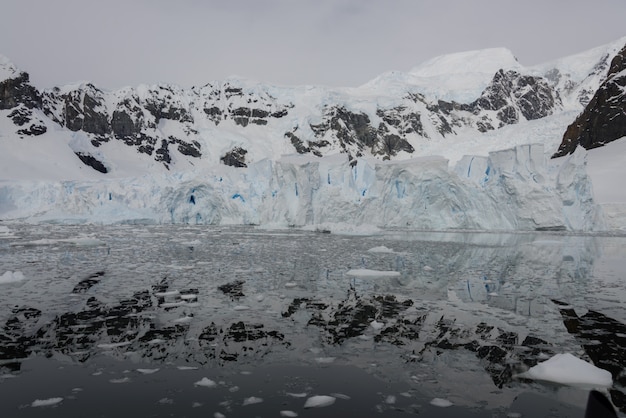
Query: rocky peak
<point x="604" y="119"/>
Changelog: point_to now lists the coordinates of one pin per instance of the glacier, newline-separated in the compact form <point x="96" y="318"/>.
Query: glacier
<point x="512" y="189"/>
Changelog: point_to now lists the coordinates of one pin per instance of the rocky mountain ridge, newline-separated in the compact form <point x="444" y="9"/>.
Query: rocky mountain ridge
<point x="604" y="117"/>
<point x="237" y="122"/>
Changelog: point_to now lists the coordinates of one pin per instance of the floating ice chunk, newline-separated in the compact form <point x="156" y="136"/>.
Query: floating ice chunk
<point x="206" y="382"/>
<point x="325" y="360"/>
<point x="166" y="294"/>
<point x="241" y="308"/>
<point x="568" y="369"/>
<point x="12" y="277"/>
<point x="427" y="268"/>
<point x="46" y="402"/>
<point x="166" y="401"/>
<point x="172" y="304"/>
<point x="84" y="242"/>
<point x="147" y="371"/>
<point x="340" y="396"/>
<point x="288" y="414"/>
<point x="297" y="395"/>
<point x="319" y="401"/>
<point x="122" y="380"/>
<point x="390" y="400"/>
<point x="442" y="403"/>
<point x="219" y="415"/>
<point x="380" y="249"/>
<point x="184" y="320"/>
<point x="189" y="297"/>
<point x="377" y="325"/>
<point x="291" y="285"/>
<point x="156" y="341"/>
<point x="187" y="368"/>
<point x="259" y="298"/>
<point x="514" y="415"/>
<point x="252" y="400"/>
<point x="371" y="273"/>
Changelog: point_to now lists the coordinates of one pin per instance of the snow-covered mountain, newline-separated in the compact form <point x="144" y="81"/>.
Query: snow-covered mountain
<point x="221" y="152"/>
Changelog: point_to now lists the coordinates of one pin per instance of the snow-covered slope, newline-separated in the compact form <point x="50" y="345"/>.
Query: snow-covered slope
<point x="220" y="153"/>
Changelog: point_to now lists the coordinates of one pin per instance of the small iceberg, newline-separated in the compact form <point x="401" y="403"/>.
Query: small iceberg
<point x="568" y="369"/>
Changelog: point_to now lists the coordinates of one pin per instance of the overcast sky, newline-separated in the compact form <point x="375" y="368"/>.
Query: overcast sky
<point x="116" y="43"/>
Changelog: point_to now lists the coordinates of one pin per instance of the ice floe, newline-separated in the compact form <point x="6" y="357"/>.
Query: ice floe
<point x="568" y="369"/>
<point x="319" y="401"/>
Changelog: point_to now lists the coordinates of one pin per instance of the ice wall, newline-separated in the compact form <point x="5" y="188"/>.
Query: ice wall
<point x="515" y="189"/>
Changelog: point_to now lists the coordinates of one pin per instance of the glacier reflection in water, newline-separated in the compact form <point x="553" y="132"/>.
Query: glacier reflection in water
<point x="305" y="310"/>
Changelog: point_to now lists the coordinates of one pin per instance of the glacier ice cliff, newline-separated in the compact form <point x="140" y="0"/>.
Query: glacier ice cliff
<point x="514" y="189"/>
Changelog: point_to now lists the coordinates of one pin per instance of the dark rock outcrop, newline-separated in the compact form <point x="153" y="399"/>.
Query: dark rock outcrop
<point x="16" y="91"/>
<point x="235" y="157"/>
<point x="604" y="118"/>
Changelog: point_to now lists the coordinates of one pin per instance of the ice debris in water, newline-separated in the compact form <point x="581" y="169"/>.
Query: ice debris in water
<point x="288" y="414"/>
<point x="371" y="273"/>
<point x="206" y="382"/>
<point x="319" y="401"/>
<point x="442" y="403"/>
<point x="147" y="371"/>
<point x="569" y="370"/>
<point x="46" y="402"/>
<point x="219" y="415"/>
<point x="390" y="400"/>
<point x="252" y="400"/>
<point x="377" y="325"/>
<point x="12" y="277"/>
<point x="380" y="249"/>
<point x="340" y="396"/>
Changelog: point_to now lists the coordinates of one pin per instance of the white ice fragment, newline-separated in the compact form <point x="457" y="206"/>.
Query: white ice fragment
<point x="122" y="380"/>
<point x="147" y="371"/>
<point x="241" y="308"/>
<point x="219" y="415"/>
<point x="206" y="382"/>
<point x="166" y="401"/>
<point x="190" y="296"/>
<point x="319" y="401"/>
<point x="568" y="369"/>
<point x="390" y="400"/>
<point x="340" y="396"/>
<point x="325" y="360"/>
<point x="372" y="273"/>
<point x="196" y="405"/>
<point x="288" y="414"/>
<point x="297" y="395"/>
<point x="252" y="400"/>
<point x="514" y="415"/>
<point x="167" y="294"/>
<point x="442" y="403"/>
<point x="156" y="341"/>
<point x="233" y="389"/>
<point x="291" y="285"/>
<point x="184" y="320"/>
<point x="46" y="402"/>
<point x="11" y="277"/>
<point x="380" y="249"/>
<point x="187" y="368"/>
<point x="377" y="325"/>
<point x="259" y="298"/>
<point x="427" y="268"/>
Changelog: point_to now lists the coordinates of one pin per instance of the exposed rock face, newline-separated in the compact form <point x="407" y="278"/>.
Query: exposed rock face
<point x="16" y="91"/>
<point x="513" y="95"/>
<point x="235" y="157"/>
<point x="604" y="118"/>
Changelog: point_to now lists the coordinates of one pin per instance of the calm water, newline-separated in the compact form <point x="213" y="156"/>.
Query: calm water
<point x="136" y="320"/>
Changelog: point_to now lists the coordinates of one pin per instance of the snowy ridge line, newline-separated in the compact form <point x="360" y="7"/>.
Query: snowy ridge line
<point x="515" y="189"/>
